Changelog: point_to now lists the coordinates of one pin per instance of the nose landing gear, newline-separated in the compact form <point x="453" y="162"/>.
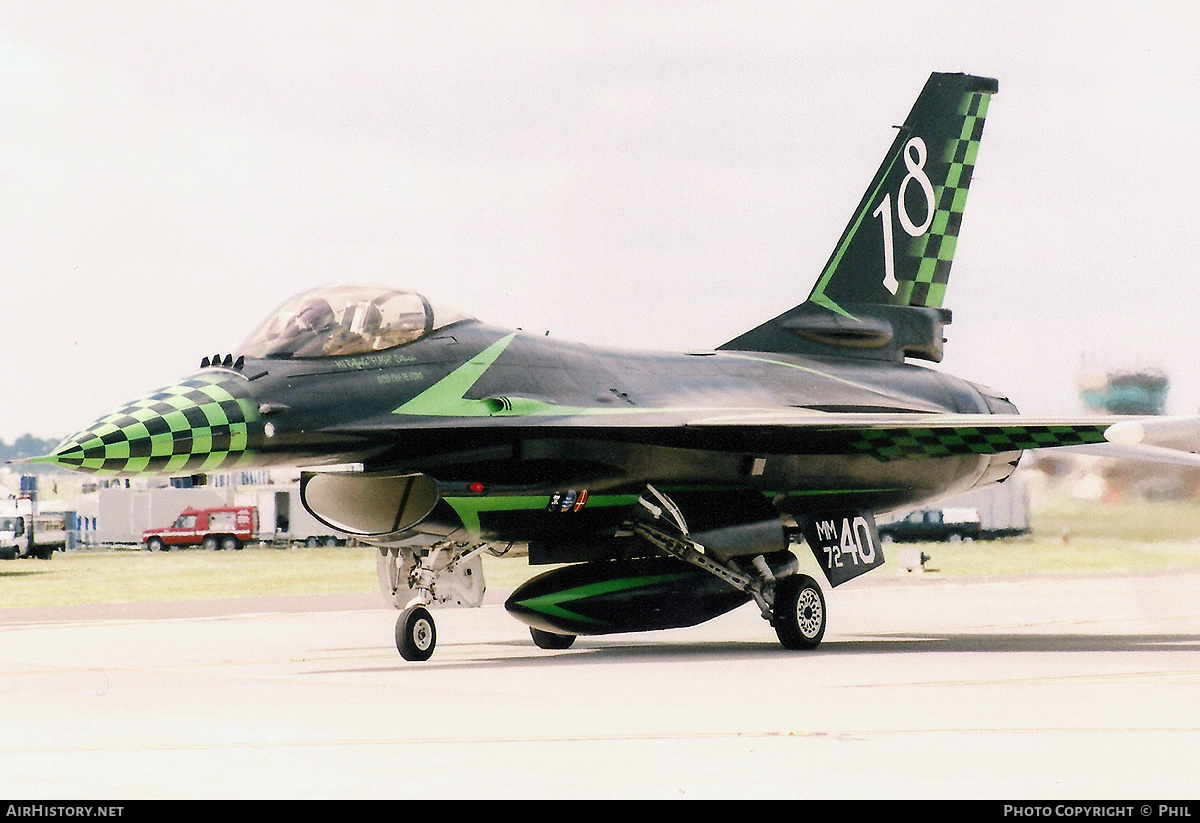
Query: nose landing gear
<point x="446" y="574"/>
<point x="416" y="634"/>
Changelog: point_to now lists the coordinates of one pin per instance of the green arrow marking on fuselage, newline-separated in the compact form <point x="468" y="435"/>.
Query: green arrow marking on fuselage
<point x="552" y="604"/>
<point x="445" y="398"/>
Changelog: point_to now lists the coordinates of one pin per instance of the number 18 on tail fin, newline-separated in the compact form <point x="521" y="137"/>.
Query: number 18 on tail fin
<point x="899" y="245"/>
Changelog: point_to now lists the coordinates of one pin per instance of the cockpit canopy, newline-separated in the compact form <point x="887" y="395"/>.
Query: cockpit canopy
<point x="336" y="321"/>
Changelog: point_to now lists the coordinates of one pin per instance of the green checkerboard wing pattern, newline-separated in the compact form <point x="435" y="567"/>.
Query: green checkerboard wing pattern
<point x="919" y="443"/>
<point x="194" y="426"/>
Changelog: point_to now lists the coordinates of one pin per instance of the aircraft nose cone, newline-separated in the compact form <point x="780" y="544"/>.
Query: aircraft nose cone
<point x="197" y="425"/>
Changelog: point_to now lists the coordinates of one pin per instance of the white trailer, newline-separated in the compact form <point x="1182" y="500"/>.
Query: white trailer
<point x="123" y="514"/>
<point x="1003" y="509"/>
<point x="997" y="511"/>
<point x="283" y="520"/>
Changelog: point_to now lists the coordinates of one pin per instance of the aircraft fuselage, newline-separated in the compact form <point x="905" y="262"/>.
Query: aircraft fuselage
<point x="467" y="407"/>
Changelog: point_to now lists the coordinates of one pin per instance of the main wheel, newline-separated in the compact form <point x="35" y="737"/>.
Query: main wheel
<point x="415" y="634"/>
<point x="230" y="543"/>
<point x="156" y="544"/>
<point x="210" y="543"/>
<point x="550" y="640"/>
<point x="799" y="613"/>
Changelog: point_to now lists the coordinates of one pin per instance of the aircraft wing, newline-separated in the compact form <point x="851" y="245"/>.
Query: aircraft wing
<point x="883" y="436"/>
<point x="912" y="436"/>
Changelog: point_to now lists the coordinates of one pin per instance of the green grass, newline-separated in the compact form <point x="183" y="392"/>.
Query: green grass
<point x="104" y="576"/>
<point x="1130" y="538"/>
<point x="1047" y="555"/>
<point x="1075" y="537"/>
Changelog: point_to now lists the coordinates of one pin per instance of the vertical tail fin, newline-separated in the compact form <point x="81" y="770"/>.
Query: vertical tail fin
<point x="895" y="253"/>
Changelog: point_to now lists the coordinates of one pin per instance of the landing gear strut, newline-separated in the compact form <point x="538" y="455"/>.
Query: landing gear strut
<point x="445" y="574"/>
<point x="792" y="604"/>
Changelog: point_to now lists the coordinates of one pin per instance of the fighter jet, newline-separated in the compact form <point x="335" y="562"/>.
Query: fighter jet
<point x="664" y="488"/>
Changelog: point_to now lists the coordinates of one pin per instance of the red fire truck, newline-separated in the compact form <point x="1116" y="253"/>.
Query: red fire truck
<point x="224" y="528"/>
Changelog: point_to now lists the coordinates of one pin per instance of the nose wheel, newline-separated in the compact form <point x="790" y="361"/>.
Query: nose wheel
<point x="416" y="634"/>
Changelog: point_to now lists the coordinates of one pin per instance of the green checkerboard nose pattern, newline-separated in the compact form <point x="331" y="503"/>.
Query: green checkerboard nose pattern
<point x="197" y="425"/>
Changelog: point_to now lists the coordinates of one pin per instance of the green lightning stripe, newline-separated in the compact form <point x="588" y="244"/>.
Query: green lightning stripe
<point x="468" y="509"/>
<point x="818" y="295"/>
<point x="447" y="397"/>
<point x="552" y="605"/>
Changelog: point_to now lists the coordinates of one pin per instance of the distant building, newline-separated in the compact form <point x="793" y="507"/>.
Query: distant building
<point x="1124" y="391"/>
<point x="1131" y="390"/>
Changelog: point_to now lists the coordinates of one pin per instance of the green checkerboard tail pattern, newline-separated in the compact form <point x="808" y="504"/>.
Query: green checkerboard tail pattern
<point x="899" y="245"/>
<point x="198" y="425"/>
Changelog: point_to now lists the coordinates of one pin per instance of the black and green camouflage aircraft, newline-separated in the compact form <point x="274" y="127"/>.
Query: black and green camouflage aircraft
<point x="666" y="488"/>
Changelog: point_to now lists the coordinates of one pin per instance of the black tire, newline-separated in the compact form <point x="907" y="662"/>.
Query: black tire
<point x="799" y="613"/>
<point x="210" y="543"/>
<point x="416" y="634"/>
<point x="550" y="640"/>
<point x="156" y="544"/>
<point x="230" y="543"/>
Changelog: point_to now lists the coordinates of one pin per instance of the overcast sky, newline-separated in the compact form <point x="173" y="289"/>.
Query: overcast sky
<point x="659" y="175"/>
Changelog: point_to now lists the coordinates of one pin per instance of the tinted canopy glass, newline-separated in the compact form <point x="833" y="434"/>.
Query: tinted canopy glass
<point x="342" y="320"/>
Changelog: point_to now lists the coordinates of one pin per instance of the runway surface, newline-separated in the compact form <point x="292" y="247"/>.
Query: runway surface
<point x="1036" y="688"/>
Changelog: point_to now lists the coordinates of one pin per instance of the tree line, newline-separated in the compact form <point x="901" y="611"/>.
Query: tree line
<point x="26" y="446"/>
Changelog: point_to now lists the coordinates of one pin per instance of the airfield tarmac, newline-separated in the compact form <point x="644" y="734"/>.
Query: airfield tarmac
<point x="925" y="687"/>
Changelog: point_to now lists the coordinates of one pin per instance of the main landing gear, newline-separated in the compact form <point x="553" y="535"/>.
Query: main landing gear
<point x="798" y="612"/>
<point x="792" y="604"/>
